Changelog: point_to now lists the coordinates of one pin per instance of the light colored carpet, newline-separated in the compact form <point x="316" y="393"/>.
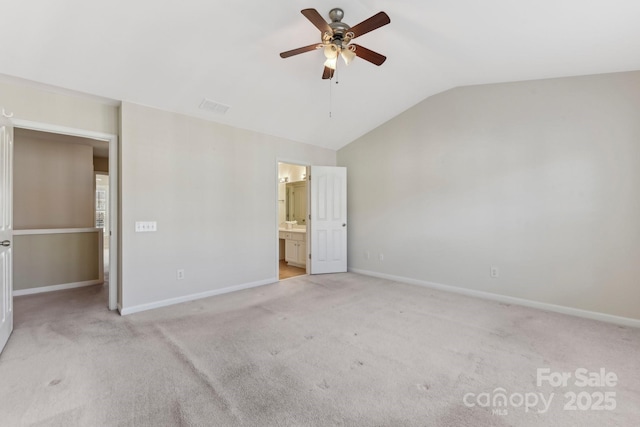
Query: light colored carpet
<point x="343" y="350"/>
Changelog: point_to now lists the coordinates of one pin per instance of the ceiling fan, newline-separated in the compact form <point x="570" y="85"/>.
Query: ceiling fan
<point x="336" y="37"/>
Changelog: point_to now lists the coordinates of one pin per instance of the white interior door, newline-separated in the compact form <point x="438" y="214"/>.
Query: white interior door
<point x="6" y="230"/>
<point x="328" y="223"/>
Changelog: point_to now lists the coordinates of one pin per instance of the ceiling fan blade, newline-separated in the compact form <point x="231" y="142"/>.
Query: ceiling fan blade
<point x="300" y="50"/>
<point x="369" y="55"/>
<point x="376" y="21"/>
<point x="328" y="73"/>
<point x="317" y="20"/>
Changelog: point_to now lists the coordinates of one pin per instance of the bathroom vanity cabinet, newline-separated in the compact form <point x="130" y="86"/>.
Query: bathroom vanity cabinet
<point x="295" y="247"/>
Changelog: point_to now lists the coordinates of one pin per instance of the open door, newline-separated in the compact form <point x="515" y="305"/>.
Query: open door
<point x="6" y="230"/>
<point x="328" y="219"/>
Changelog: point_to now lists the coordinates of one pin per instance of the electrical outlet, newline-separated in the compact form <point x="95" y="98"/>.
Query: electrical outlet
<point x="494" y="272"/>
<point x="367" y="255"/>
<point x="381" y="257"/>
<point x="180" y="274"/>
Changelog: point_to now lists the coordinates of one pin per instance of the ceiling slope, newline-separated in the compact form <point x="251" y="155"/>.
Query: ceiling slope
<point x="173" y="54"/>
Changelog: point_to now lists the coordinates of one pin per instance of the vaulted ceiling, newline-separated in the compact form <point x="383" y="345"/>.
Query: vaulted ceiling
<point x="172" y="54"/>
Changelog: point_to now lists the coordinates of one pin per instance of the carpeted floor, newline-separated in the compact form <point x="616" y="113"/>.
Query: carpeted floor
<point x="331" y="350"/>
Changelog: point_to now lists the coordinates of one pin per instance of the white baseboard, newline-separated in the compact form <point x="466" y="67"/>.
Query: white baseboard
<point x="594" y="315"/>
<point x="171" y="301"/>
<point x="52" y="288"/>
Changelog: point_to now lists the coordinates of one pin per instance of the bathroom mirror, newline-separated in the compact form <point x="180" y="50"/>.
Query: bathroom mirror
<point x="296" y="202"/>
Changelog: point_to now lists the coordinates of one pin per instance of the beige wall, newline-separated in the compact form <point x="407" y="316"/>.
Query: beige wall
<point x="101" y="164"/>
<point x="52" y="184"/>
<point x="54" y="259"/>
<point x="540" y="179"/>
<point x="293" y="172"/>
<point x="46" y="106"/>
<point x="53" y="108"/>
<point x="212" y="190"/>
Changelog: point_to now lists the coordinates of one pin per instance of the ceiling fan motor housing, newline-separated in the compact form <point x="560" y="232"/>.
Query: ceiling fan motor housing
<point x="339" y="28"/>
<point x="336" y="14"/>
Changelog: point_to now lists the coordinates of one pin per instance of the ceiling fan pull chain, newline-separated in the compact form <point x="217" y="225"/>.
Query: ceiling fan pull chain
<point x="330" y="99"/>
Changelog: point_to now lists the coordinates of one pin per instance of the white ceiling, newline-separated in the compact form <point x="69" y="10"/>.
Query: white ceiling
<point x="171" y="54"/>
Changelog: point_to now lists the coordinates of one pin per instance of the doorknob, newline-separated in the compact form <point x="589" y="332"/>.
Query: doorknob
<point x="5" y="243"/>
<point x="344" y="224"/>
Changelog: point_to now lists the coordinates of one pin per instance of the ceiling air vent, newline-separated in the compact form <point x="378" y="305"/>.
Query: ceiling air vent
<point x="214" y="106"/>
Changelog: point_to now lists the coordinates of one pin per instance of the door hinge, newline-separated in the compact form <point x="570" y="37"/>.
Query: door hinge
<point x="309" y="256"/>
<point x="309" y="217"/>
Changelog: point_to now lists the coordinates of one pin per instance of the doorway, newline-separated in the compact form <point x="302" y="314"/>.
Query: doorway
<point x="109" y="143"/>
<point x="102" y="216"/>
<point x="292" y="205"/>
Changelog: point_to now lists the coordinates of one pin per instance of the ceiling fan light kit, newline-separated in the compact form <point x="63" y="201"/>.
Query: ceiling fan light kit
<point x="348" y="55"/>
<point x="336" y="37"/>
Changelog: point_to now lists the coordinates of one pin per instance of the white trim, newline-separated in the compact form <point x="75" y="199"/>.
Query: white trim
<point x="46" y="127"/>
<point x="114" y="249"/>
<point x="278" y="219"/>
<point x="594" y="315"/>
<point x="178" y="300"/>
<point x="112" y="139"/>
<point x="55" y="231"/>
<point x="52" y="288"/>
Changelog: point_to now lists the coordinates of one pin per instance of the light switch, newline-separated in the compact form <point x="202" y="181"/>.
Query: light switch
<point x="146" y="226"/>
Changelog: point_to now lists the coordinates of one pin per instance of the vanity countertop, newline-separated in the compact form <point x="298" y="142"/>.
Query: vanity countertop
<point x="293" y="230"/>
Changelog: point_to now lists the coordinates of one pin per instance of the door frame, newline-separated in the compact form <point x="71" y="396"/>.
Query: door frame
<point x="307" y="166"/>
<point x="113" y="190"/>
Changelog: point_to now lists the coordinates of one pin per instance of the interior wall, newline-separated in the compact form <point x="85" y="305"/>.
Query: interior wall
<point x="44" y="105"/>
<point x="212" y="190"/>
<point x="540" y="179"/>
<point x="294" y="173"/>
<point x="52" y="184"/>
<point x="101" y="164"/>
<point x="27" y="102"/>
<point x="54" y="259"/>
